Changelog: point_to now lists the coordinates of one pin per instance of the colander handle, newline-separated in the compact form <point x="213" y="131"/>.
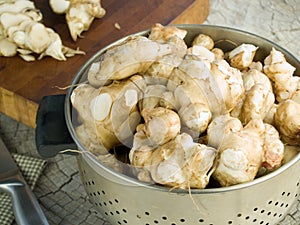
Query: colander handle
<point x="51" y="133"/>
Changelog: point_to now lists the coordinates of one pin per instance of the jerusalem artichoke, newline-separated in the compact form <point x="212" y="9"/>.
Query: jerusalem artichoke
<point x="273" y="148"/>
<point x="133" y="56"/>
<point x="180" y="163"/>
<point x="162" y="99"/>
<point x="287" y="122"/>
<point x="21" y="27"/>
<point x="242" y="56"/>
<point x="161" y="125"/>
<point x="240" y="154"/>
<point x="109" y="111"/>
<point x="79" y="14"/>
<point x="281" y="73"/>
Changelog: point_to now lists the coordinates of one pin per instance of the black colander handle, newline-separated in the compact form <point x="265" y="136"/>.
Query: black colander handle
<point x="51" y="133"/>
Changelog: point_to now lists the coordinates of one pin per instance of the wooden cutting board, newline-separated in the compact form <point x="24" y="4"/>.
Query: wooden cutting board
<point x="23" y="84"/>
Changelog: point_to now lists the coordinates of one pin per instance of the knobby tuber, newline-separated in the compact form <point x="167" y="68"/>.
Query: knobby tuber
<point x="189" y="113"/>
<point x="280" y="73"/>
<point x="23" y="33"/>
<point x="79" y="14"/>
<point x="135" y="55"/>
<point x="243" y="150"/>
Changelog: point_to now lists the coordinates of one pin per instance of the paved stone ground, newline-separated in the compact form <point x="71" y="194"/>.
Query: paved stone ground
<point x="59" y="189"/>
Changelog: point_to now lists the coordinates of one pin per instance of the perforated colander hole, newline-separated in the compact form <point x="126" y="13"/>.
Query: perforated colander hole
<point x="286" y="193"/>
<point x="229" y="222"/>
<point x="90" y="183"/>
<point x="164" y="218"/>
<point x="124" y="210"/>
<point x="101" y="192"/>
<point x="201" y="220"/>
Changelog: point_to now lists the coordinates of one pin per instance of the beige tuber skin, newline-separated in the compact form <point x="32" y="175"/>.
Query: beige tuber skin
<point x="166" y="157"/>
<point x="135" y="55"/>
<point x="79" y="14"/>
<point x="258" y="99"/>
<point x="59" y="6"/>
<point x="280" y="72"/>
<point x="180" y="163"/>
<point x="110" y="112"/>
<point x="273" y="148"/>
<point x="152" y="96"/>
<point x="160" y="71"/>
<point x="161" y="125"/>
<point x="138" y="53"/>
<point x="190" y="98"/>
<point x="22" y="33"/>
<point x="240" y="155"/>
<point x="287" y="122"/>
<point x="171" y="35"/>
<point x="257" y="103"/>
<point x="242" y="151"/>
<point x="221" y="126"/>
<point x="187" y="113"/>
<point x="203" y="40"/>
<point x="229" y="87"/>
<point x="242" y="56"/>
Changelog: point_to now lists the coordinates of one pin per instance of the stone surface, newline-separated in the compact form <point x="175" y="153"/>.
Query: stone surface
<point x="59" y="189"/>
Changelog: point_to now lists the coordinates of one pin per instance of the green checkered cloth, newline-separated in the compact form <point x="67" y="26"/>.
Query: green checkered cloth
<point x="31" y="169"/>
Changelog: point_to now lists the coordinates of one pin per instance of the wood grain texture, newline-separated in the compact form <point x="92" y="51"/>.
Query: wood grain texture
<point x="22" y="84"/>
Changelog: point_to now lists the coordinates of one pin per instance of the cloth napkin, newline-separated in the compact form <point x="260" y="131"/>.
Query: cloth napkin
<point x="31" y="168"/>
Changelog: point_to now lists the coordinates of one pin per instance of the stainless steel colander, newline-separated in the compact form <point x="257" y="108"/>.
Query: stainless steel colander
<point x="125" y="200"/>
